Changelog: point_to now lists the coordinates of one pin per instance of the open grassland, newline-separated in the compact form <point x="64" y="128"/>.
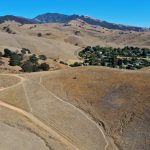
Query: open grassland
<point x="117" y="99"/>
<point x="66" y="123"/>
<point x="60" y="42"/>
<point x="84" y="108"/>
<point x="18" y="130"/>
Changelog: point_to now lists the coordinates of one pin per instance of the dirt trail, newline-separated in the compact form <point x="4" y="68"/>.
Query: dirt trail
<point x="31" y="117"/>
<point x="15" y="85"/>
<point x="41" y="124"/>
<point x="85" y="115"/>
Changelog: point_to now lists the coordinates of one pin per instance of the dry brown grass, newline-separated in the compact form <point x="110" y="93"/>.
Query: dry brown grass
<point x="29" y="97"/>
<point x="8" y="80"/>
<point x="59" y="41"/>
<point x="21" y="129"/>
<point x="118" y="100"/>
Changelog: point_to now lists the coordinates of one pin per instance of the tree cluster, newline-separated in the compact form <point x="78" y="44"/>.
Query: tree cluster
<point x="27" y="61"/>
<point x="126" y="58"/>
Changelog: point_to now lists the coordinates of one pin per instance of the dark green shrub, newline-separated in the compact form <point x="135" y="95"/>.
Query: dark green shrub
<point x="26" y="50"/>
<point x="42" y="57"/>
<point x="76" y="64"/>
<point x="7" y="53"/>
<point x="27" y="67"/>
<point x="44" y="67"/>
<point x="15" y="60"/>
<point x="39" y="34"/>
<point x="33" y="58"/>
<point x="62" y="62"/>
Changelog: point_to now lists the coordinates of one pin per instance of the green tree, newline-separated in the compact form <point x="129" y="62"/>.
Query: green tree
<point x="120" y="62"/>
<point x="15" y="60"/>
<point x="33" y="59"/>
<point x="7" y="53"/>
<point x="27" y="67"/>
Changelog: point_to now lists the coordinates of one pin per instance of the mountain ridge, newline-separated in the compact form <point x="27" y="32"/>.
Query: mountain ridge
<point x="18" y="19"/>
<point x="62" y="18"/>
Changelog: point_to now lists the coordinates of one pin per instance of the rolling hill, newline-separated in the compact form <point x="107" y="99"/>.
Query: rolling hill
<point x="83" y="108"/>
<point x="117" y="100"/>
<point x="71" y="38"/>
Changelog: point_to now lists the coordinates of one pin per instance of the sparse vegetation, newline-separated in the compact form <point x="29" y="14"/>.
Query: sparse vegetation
<point x="8" y="30"/>
<point x="39" y="34"/>
<point x="32" y="27"/>
<point x="76" y="64"/>
<point x="48" y="34"/>
<point x="62" y="62"/>
<point x="42" y="57"/>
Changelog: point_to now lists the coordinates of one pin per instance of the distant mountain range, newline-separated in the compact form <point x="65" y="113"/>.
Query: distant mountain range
<point x="17" y="19"/>
<point x="61" y="18"/>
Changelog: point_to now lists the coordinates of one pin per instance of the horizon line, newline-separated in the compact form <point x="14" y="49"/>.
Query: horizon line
<point x="77" y="15"/>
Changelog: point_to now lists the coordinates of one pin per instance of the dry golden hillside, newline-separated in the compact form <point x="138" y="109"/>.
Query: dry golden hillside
<point x="29" y="109"/>
<point x="61" y="41"/>
<point x="117" y="100"/>
<point x="84" y="108"/>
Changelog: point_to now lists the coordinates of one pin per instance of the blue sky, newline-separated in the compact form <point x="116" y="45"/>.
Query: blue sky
<point x="129" y="12"/>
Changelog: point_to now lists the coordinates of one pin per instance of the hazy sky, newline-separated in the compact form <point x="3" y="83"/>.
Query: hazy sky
<point x="130" y="12"/>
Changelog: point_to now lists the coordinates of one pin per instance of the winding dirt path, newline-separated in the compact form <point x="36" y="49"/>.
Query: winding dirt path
<point x="33" y="118"/>
<point x="38" y="122"/>
<point x="79" y="110"/>
<point x="15" y="85"/>
<point x="41" y="124"/>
